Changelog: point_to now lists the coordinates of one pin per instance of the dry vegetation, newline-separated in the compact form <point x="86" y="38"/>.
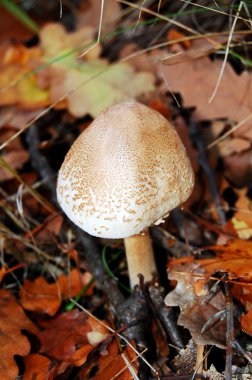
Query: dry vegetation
<point x="66" y="308"/>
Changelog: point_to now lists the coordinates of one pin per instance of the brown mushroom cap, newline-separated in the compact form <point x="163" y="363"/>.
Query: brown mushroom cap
<point x="127" y="170"/>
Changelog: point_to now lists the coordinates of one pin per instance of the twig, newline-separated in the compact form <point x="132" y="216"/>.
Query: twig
<point x="196" y="137"/>
<point x="94" y="262"/>
<point x="165" y="315"/>
<point x="232" y="130"/>
<point x="118" y="334"/>
<point x="99" y="31"/>
<point x="230" y="331"/>
<point x="134" y="312"/>
<point x="39" y="162"/>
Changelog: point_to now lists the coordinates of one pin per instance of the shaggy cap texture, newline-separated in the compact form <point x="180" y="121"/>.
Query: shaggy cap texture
<point x="126" y="171"/>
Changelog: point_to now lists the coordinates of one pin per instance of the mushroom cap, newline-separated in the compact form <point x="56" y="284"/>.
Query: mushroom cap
<point x="127" y="170"/>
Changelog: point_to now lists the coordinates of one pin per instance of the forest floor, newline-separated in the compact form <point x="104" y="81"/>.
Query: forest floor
<point x="66" y="307"/>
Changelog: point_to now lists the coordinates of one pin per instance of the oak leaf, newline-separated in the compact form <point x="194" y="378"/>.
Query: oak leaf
<point x="194" y="311"/>
<point x="18" y="83"/>
<point x="196" y="80"/>
<point x="90" y="87"/>
<point x="42" y="297"/>
<point x="12" y="341"/>
<point x="112" y="365"/>
<point x="39" y="367"/>
<point x="234" y="259"/>
<point x="67" y="337"/>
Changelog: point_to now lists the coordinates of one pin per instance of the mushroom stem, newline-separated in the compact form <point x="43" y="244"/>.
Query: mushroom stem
<point x="140" y="257"/>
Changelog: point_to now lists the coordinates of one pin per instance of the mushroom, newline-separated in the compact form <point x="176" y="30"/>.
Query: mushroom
<point x="125" y="172"/>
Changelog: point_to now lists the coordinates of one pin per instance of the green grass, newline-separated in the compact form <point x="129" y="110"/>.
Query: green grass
<point x="20" y="15"/>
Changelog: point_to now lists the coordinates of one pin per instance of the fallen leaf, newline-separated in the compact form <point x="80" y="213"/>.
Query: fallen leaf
<point x="48" y="229"/>
<point x="85" y="87"/>
<point x="213" y="374"/>
<point x="39" y="367"/>
<point x="65" y="337"/>
<point x="233" y="145"/>
<point x="16" y="159"/>
<point x="234" y="258"/>
<point x="243" y="214"/>
<point x="174" y="34"/>
<point x="141" y="62"/>
<point x="17" y="118"/>
<point x="185" y="361"/>
<point x="92" y="86"/>
<point x="19" y="86"/>
<point x="4" y="270"/>
<point x="14" y="155"/>
<point x="194" y="312"/>
<point x="196" y="80"/>
<point x="244" y="231"/>
<point x="246" y="320"/>
<point x="238" y="168"/>
<point x="89" y="14"/>
<point x="12" y="341"/>
<point x="55" y="40"/>
<point x="11" y="29"/>
<point x="112" y="365"/>
<point x="42" y="297"/>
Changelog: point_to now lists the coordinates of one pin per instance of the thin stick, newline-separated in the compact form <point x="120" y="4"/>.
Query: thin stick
<point x="215" y="10"/>
<point x="61" y="9"/>
<point x="237" y="126"/>
<point x="229" y="332"/>
<point x="99" y="31"/>
<point x="139" y="16"/>
<point x="114" y="332"/>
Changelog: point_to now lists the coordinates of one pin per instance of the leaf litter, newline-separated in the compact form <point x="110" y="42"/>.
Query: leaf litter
<point x="52" y="75"/>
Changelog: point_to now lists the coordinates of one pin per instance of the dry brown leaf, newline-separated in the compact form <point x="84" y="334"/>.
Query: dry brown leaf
<point x="39" y="367"/>
<point x="4" y="270"/>
<point x="233" y="145"/>
<point x="194" y="312"/>
<point x="246" y="322"/>
<point x="12" y="341"/>
<point x="238" y="168"/>
<point x="16" y="159"/>
<point x="15" y="155"/>
<point x="89" y="14"/>
<point x="48" y="229"/>
<point x="141" y="62"/>
<point x="213" y="374"/>
<point x="17" y="118"/>
<point x="111" y="365"/>
<point x="67" y="337"/>
<point x="185" y="361"/>
<point x="196" y="80"/>
<point x="174" y="34"/>
<point x="42" y="297"/>
<point x="234" y="258"/>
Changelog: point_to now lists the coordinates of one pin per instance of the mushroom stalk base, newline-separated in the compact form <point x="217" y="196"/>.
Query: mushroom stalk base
<point x="140" y="257"/>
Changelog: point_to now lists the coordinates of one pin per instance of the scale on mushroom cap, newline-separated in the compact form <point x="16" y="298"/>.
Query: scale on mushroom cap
<point x="125" y="172"/>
